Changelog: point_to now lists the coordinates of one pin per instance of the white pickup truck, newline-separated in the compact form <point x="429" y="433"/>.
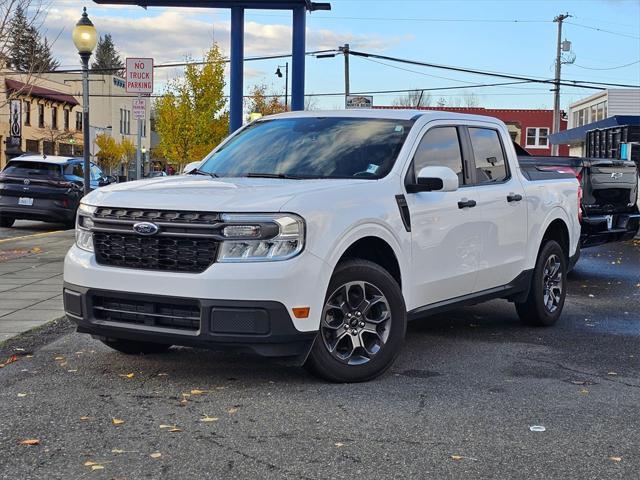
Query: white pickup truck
<point x="318" y="235"/>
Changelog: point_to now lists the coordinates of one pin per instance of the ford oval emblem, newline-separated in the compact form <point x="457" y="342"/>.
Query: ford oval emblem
<point x="26" y="181"/>
<point x="145" y="228"/>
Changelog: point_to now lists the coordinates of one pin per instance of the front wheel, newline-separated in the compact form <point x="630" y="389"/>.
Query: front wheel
<point x="548" y="288"/>
<point x="131" y="347"/>
<point x="363" y="324"/>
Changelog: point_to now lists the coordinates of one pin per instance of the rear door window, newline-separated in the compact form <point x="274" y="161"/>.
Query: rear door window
<point x="25" y="168"/>
<point x="489" y="155"/>
<point x="440" y="147"/>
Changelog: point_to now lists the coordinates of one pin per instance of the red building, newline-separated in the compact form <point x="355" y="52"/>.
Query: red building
<point x="528" y="128"/>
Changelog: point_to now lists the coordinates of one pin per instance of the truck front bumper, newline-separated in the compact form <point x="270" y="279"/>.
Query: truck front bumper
<point x="600" y="229"/>
<point x="262" y="327"/>
<point x="236" y="305"/>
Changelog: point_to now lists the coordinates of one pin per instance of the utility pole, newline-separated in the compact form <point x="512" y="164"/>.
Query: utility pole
<point x="345" y="50"/>
<point x="556" y="97"/>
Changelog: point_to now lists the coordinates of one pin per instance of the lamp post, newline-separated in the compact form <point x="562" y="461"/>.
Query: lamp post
<point x="85" y="38"/>
<point x="143" y="151"/>
<point x="286" y="83"/>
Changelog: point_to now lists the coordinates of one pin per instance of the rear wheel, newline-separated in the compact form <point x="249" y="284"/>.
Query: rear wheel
<point x="131" y="347"/>
<point x="363" y="324"/>
<point x="548" y="288"/>
<point x="7" y="222"/>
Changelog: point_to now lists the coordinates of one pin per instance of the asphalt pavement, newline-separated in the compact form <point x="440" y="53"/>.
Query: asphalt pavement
<point x="27" y="227"/>
<point x="459" y="402"/>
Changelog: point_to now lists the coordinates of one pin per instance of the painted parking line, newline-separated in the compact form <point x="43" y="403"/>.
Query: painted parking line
<point x="26" y="237"/>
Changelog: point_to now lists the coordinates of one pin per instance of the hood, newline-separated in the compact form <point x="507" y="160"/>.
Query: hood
<point x="201" y="193"/>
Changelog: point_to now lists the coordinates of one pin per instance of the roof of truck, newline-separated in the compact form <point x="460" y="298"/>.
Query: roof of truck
<point x="391" y="114"/>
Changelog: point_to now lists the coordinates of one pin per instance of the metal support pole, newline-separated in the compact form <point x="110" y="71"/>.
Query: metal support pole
<point x="347" y="86"/>
<point x="298" y="58"/>
<point x="237" y="69"/>
<point x="556" y="96"/>
<point x="139" y="170"/>
<point x="85" y="122"/>
<point x="286" y="86"/>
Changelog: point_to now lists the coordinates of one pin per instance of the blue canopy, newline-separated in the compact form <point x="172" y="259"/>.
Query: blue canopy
<point x="579" y="134"/>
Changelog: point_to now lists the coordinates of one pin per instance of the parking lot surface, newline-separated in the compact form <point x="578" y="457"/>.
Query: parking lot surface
<point x="26" y="227"/>
<point x="459" y="402"/>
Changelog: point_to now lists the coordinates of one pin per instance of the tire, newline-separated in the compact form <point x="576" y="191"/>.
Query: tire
<point x="131" y="347"/>
<point x="7" y="222"/>
<point x="376" y="329"/>
<point x="547" y="293"/>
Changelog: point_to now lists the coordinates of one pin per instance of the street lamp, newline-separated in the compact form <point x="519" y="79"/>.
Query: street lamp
<point x="286" y="83"/>
<point x="85" y="38"/>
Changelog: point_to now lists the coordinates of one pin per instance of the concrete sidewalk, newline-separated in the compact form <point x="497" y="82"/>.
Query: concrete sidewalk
<point x="31" y="281"/>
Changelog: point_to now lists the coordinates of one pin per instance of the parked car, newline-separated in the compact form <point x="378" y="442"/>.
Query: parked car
<point x="189" y="167"/>
<point x="317" y="235"/>
<point x="157" y="173"/>
<point x="45" y="188"/>
<point x="608" y="191"/>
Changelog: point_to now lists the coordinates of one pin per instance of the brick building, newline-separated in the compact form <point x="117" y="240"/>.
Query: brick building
<point x="528" y="128"/>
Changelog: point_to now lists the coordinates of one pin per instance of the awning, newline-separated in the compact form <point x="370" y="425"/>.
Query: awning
<point x="40" y="92"/>
<point x="579" y="134"/>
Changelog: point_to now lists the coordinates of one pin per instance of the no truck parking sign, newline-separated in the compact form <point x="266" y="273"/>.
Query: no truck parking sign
<point x="139" y="78"/>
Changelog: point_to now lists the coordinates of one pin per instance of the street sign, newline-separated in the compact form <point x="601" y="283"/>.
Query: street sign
<point x="139" y="108"/>
<point x="139" y="75"/>
<point x="359" y="101"/>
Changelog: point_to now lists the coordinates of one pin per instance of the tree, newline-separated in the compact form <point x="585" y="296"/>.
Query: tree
<point x="107" y="57"/>
<point x="413" y="99"/>
<point x="26" y="50"/>
<point x="110" y="154"/>
<point x="260" y="101"/>
<point x="128" y="151"/>
<point x="191" y="117"/>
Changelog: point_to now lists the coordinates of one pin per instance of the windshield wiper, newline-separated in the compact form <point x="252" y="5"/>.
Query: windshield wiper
<point x="197" y="171"/>
<point x="275" y="175"/>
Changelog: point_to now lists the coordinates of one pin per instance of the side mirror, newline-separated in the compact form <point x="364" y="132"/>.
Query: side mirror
<point x="435" y="179"/>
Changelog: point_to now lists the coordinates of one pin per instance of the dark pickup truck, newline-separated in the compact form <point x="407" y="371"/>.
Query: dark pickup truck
<point x="609" y="202"/>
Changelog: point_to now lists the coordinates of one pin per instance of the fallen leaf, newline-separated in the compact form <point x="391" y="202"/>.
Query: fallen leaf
<point x="22" y="395"/>
<point x="207" y="418"/>
<point x="127" y="375"/>
<point x="167" y="426"/>
<point x="339" y="444"/>
<point x="96" y="467"/>
<point x="89" y="463"/>
<point x="612" y="373"/>
<point x="117" y="450"/>
<point x="59" y="358"/>
<point x="584" y="391"/>
<point x="456" y="457"/>
<point x="11" y="359"/>
<point x="615" y="459"/>
<point x="232" y="410"/>
<point x="156" y="455"/>
<point x="30" y="441"/>
<point x="84" y="419"/>
<point x="117" y="421"/>
<point x="163" y="374"/>
<point x="175" y="429"/>
<point x="72" y="371"/>
<point x="198" y="392"/>
<point x="63" y="364"/>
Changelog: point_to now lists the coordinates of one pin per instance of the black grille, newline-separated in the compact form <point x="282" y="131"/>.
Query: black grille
<point x="138" y="215"/>
<point x="184" y="316"/>
<point x="168" y="253"/>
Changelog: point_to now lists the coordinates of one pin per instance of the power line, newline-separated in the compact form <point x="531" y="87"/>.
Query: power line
<point x="571" y="83"/>
<point x="603" y="30"/>
<point x="607" y="68"/>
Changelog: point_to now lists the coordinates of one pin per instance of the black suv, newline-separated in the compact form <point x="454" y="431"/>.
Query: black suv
<point x="35" y="187"/>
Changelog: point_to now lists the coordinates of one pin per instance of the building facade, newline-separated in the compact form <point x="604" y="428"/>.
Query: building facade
<point x="39" y="116"/>
<point x="605" y="109"/>
<point x="111" y="110"/>
<point x="528" y="128"/>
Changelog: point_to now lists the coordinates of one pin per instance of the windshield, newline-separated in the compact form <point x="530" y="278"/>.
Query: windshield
<point x="26" y="168"/>
<point x="311" y="148"/>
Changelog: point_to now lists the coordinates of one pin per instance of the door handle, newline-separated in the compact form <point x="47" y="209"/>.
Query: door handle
<point x="467" y="204"/>
<point x="514" y="197"/>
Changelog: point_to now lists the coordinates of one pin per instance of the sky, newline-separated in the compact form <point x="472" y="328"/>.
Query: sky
<point x="512" y="36"/>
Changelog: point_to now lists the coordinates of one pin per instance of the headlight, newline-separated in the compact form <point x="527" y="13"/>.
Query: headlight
<point x="261" y="238"/>
<point x="84" y="237"/>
